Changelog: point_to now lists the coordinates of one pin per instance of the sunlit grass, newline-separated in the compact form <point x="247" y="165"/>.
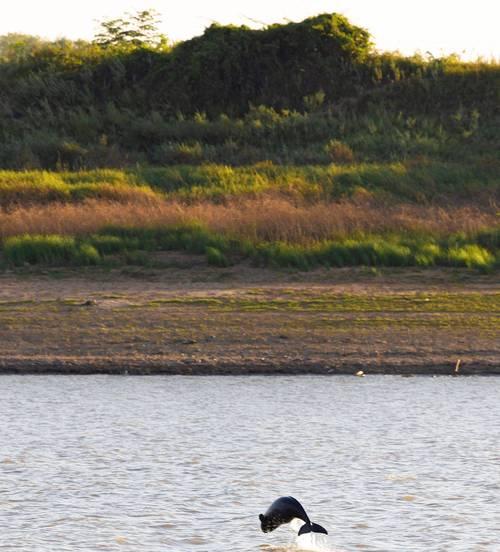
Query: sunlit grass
<point x="264" y="218"/>
<point x="415" y="181"/>
<point x="222" y="250"/>
<point x="396" y="214"/>
<point x="34" y="187"/>
<point x="50" y="250"/>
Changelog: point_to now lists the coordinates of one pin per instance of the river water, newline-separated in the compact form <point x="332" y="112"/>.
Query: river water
<point x="179" y="464"/>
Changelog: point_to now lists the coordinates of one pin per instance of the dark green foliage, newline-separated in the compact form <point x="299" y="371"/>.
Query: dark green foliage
<point x="289" y="93"/>
<point x="191" y="238"/>
<point x="489" y="238"/>
<point x="235" y="66"/>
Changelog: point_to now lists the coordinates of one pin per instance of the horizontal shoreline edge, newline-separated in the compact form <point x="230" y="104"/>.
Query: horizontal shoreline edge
<point x="145" y="367"/>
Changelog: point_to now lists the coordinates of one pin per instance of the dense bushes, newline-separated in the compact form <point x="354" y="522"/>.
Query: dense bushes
<point x="326" y="93"/>
<point x="294" y="146"/>
<point x="338" y="135"/>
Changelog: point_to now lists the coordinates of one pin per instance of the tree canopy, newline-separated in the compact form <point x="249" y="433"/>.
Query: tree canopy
<point x="139" y="29"/>
<point x="126" y="91"/>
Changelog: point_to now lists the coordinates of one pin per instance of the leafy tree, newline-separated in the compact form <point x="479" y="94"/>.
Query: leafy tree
<point x="16" y="46"/>
<point x="137" y="30"/>
<point x="125" y="98"/>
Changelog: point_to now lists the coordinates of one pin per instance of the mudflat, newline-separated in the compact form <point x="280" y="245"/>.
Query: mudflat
<point x="193" y="319"/>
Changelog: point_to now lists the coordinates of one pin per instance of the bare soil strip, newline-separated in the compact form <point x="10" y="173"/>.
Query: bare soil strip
<point x="248" y="321"/>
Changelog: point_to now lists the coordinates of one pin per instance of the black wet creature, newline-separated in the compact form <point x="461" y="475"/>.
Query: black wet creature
<point x="283" y="510"/>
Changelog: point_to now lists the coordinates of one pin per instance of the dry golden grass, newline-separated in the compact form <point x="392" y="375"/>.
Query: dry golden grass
<point x="263" y="218"/>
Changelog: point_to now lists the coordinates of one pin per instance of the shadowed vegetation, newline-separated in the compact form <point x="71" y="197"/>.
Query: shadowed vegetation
<point x="312" y="92"/>
<point x="296" y="145"/>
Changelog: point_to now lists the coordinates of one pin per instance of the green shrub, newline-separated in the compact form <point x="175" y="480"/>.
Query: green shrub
<point x="489" y="238"/>
<point x="179" y="154"/>
<point x="428" y="254"/>
<point x="108" y="245"/>
<point x="86" y="254"/>
<point x="339" y="152"/>
<point x="193" y="238"/>
<point x="387" y="253"/>
<point x="471" y="256"/>
<point x="216" y="258"/>
<point x="282" y="255"/>
<point x="48" y="249"/>
<point x="134" y="244"/>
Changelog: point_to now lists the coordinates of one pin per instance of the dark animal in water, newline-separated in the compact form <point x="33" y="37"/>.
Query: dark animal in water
<point x="283" y="510"/>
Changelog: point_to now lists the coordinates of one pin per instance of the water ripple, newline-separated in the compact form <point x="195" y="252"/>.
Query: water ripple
<point x="181" y="464"/>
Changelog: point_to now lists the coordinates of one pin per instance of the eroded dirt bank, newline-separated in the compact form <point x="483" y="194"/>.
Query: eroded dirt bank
<point x="197" y="320"/>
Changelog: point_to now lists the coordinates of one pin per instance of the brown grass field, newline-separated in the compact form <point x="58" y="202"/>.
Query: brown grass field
<point x="269" y="217"/>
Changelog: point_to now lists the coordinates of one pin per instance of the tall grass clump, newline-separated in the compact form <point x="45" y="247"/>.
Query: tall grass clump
<point x="192" y="238"/>
<point x="281" y="254"/>
<point x="107" y="244"/>
<point x="471" y="256"/>
<point x="49" y="249"/>
<point x="388" y="251"/>
<point x="489" y="238"/>
<point x="428" y="254"/>
<point x="128" y="244"/>
<point x="374" y="251"/>
<point x="216" y="258"/>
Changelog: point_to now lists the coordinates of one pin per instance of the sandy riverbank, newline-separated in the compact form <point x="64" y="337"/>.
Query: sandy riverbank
<point x="199" y="320"/>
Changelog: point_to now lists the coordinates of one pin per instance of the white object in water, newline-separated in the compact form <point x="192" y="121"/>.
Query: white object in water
<point x="316" y="542"/>
<point x="313" y="542"/>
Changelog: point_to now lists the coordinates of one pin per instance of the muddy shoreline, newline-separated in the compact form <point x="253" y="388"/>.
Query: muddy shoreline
<point x="242" y="321"/>
<point x="155" y="367"/>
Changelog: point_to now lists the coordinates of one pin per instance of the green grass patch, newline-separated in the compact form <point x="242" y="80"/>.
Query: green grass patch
<point x="388" y="251"/>
<point x="405" y="180"/>
<point x="32" y="187"/>
<point x="49" y="249"/>
<point x="134" y="246"/>
<point x="216" y="258"/>
<point x="402" y="180"/>
<point x="455" y="304"/>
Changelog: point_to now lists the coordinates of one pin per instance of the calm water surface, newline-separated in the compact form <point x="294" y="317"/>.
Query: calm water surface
<point x="187" y="463"/>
